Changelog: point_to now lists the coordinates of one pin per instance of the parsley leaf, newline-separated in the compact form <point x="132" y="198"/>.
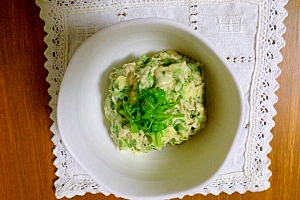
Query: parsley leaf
<point x="149" y="112"/>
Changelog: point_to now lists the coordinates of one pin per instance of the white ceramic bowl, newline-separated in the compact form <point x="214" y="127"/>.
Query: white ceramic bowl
<point x="175" y="171"/>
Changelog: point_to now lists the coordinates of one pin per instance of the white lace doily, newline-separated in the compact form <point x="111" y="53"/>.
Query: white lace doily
<point x="248" y="33"/>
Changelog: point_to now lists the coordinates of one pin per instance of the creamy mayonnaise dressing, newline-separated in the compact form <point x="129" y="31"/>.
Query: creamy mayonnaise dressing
<point x="181" y="78"/>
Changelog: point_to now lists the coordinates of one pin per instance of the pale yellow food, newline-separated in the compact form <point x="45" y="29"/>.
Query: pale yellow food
<point x="156" y="101"/>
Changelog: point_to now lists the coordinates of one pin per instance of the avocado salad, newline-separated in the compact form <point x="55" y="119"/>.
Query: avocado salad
<point x="156" y="101"/>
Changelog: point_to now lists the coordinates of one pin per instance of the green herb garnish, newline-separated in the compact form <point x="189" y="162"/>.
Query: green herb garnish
<point x="149" y="112"/>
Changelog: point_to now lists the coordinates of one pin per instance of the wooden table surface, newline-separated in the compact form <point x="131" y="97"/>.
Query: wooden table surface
<point x="26" y="159"/>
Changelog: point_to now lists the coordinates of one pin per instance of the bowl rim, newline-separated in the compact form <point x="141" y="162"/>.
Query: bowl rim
<point x="173" y="24"/>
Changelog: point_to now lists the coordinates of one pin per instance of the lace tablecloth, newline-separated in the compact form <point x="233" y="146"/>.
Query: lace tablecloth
<point x="247" y="32"/>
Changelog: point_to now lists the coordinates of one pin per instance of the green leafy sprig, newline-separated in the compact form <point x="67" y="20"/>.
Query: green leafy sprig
<point x="148" y="111"/>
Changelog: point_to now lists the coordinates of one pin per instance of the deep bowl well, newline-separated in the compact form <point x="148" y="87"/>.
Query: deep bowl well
<point x="174" y="171"/>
